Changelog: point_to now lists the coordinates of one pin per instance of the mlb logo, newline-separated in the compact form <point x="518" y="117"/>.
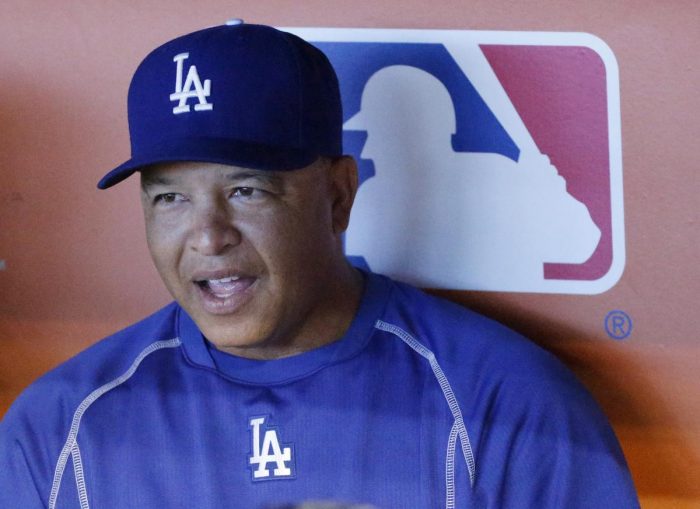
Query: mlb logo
<point x="488" y="160"/>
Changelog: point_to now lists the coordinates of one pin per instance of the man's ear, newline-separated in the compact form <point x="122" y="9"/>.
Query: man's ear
<point x="344" y="182"/>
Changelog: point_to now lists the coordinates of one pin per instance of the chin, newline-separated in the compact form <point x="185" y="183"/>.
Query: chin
<point x="233" y="336"/>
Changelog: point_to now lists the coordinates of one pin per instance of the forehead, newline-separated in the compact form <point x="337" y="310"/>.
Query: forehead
<point x="305" y="183"/>
<point x="181" y="171"/>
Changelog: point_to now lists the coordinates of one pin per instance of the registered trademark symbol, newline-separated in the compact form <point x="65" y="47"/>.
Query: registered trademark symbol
<point x="618" y="324"/>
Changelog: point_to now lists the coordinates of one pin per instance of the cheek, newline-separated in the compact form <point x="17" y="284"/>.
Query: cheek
<point x="307" y="241"/>
<point x="286" y="240"/>
<point x="164" y="247"/>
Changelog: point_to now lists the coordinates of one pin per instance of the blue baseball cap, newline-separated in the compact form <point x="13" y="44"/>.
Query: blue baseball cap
<point x="239" y="94"/>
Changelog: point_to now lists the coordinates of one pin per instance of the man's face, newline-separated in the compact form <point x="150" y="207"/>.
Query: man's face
<point x="250" y="255"/>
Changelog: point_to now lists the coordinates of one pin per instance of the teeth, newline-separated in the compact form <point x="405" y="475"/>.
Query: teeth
<point x="224" y="280"/>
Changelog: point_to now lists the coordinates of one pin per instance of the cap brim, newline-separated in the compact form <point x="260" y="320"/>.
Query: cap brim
<point x="214" y="150"/>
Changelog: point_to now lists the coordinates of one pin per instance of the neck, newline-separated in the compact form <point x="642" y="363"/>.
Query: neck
<point x="336" y="310"/>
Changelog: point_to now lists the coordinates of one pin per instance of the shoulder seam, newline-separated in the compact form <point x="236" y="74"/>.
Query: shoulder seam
<point x="458" y="428"/>
<point x="70" y="446"/>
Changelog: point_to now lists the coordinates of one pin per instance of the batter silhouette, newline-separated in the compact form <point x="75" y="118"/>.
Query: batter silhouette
<point x="446" y="219"/>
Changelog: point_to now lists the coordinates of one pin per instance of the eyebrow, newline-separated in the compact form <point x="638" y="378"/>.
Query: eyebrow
<point x="149" y="180"/>
<point x="268" y="177"/>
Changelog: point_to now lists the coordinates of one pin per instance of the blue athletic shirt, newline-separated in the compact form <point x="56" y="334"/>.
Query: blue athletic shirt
<point x="421" y="404"/>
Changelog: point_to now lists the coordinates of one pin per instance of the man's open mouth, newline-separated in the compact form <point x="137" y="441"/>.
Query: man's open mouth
<point x="224" y="287"/>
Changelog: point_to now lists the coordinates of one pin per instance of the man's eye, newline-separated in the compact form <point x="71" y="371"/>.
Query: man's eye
<point x="246" y="192"/>
<point x="167" y="198"/>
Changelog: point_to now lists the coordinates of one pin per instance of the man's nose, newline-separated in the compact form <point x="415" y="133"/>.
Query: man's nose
<point x="213" y="230"/>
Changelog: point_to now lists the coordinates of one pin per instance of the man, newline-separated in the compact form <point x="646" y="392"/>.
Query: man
<point x="281" y="374"/>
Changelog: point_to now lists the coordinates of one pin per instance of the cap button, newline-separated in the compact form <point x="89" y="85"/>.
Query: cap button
<point x="234" y="22"/>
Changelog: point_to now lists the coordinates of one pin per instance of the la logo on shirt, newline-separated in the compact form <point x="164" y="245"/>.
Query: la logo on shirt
<point x="269" y="459"/>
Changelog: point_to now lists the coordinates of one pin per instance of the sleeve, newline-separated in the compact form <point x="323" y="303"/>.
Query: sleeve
<point x="31" y="434"/>
<point x="547" y="444"/>
<point x="18" y="487"/>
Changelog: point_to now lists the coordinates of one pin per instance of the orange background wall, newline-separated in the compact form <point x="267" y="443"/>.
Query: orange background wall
<point x="77" y="267"/>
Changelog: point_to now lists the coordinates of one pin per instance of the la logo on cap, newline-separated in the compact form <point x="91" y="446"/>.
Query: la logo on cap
<point x="192" y="88"/>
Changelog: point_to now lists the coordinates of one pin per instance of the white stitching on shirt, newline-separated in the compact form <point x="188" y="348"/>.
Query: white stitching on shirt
<point x="79" y="477"/>
<point x="71" y="444"/>
<point x="451" y="401"/>
<point x="450" y="468"/>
